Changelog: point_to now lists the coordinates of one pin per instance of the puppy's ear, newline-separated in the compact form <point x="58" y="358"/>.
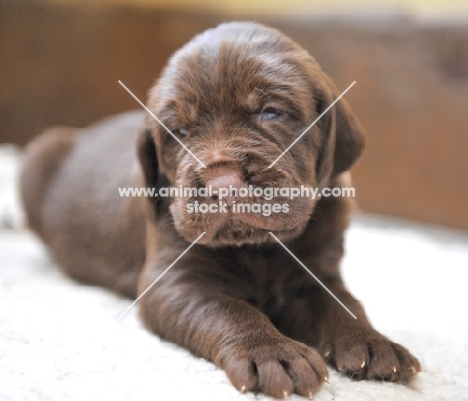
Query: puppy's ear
<point x="342" y="135"/>
<point x="148" y="157"/>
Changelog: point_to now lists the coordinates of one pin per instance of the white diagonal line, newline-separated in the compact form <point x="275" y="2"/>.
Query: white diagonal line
<point x="311" y="125"/>
<point x="313" y="275"/>
<point x="162" y="274"/>
<point x="160" y="122"/>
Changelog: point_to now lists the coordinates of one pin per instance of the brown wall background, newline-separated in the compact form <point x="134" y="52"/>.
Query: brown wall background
<point x="60" y="64"/>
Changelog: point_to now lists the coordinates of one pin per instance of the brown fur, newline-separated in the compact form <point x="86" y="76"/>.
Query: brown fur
<point x="236" y="298"/>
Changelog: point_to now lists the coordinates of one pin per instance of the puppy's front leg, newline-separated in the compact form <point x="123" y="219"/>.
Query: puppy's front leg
<point x="188" y="306"/>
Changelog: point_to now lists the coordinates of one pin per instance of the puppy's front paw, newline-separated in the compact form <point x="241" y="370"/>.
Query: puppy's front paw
<point x="277" y="368"/>
<point x="366" y="354"/>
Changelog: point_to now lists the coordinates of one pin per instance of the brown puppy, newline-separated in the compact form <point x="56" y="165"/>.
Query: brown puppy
<point x="236" y="96"/>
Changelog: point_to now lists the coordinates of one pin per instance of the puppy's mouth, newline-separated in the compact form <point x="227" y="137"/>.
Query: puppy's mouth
<point x="232" y="227"/>
<point x="237" y="211"/>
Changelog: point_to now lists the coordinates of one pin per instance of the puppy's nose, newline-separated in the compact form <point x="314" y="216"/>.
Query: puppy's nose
<point x="223" y="178"/>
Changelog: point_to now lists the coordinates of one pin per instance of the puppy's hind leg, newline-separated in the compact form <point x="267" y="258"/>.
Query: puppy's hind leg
<point x="42" y="160"/>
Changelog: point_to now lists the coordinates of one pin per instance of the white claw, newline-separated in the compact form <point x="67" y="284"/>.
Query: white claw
<point x="285" y="394"/>
<point x="363" y="364"/>
<point x="311" y="395"/>
<point x="394" y="369"/>
<point x="243" y="388"/>
<point x="326" y="354"/>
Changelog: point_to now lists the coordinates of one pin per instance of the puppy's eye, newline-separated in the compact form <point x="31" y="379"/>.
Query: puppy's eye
<point x="270" y="114"/>
<point x="182" y="131"/>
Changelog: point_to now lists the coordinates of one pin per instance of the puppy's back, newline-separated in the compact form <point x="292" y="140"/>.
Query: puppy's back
<point x="42" y="161"/>
<point x="69" y="184"/>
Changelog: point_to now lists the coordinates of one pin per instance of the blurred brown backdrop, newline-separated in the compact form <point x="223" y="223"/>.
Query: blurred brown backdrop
<point x="60" y="63"/>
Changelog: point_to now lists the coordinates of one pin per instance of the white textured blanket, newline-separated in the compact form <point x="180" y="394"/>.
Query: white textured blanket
<point x="60" y="340"/>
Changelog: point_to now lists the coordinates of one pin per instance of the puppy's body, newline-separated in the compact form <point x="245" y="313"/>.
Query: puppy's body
<point x="69" y="181"/>
<point x="237" y="96"/>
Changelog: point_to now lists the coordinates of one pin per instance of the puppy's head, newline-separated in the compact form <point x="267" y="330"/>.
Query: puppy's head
<point x="237" y="96"/>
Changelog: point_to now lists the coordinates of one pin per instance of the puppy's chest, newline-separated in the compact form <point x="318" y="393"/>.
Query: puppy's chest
<point x="265" y="280"/>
